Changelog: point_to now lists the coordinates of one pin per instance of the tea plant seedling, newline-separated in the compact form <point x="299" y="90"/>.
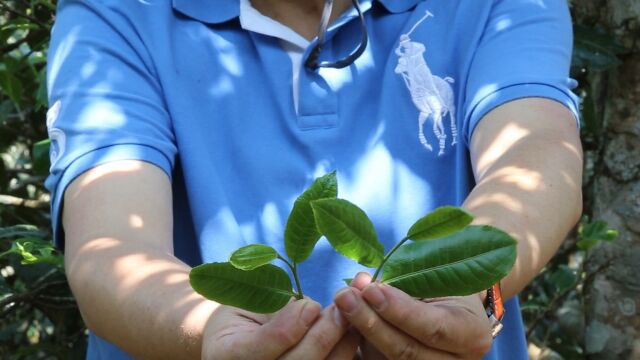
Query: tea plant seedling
<point x="448" y="256"/>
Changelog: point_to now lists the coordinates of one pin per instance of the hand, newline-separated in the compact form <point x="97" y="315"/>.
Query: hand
<point x="397" y="326"/>
<point x="300" y="330"/>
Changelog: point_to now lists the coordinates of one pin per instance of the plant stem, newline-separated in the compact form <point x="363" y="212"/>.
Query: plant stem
<point x="295" y="278"/>
<point x="294" y="271"/>
<point x="386" y="257"/>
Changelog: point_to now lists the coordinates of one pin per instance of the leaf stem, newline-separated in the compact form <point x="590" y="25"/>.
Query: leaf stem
<point x="300" y="295"/>
<point x="294" y="271"/>
<point x="386" y="257"/>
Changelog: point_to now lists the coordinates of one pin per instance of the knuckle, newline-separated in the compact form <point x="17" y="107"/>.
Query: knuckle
<point x="285" y="336"/>
<point x="436" y="332"/>
<point x="407" y="351"/>
<point x="405" y="314"/>
<point x="323" y="342"/>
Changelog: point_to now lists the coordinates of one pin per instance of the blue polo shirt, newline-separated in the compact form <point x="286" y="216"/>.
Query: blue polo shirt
<point x="180" y="84"/>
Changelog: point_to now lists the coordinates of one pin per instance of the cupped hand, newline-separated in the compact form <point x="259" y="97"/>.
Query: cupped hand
<point x="396" y="326"/>
<point x="300" y="330"/>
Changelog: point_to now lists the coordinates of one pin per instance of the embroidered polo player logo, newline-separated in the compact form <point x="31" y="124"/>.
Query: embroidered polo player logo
<point x="431" y="94"/>
<point x="57" y="136"/>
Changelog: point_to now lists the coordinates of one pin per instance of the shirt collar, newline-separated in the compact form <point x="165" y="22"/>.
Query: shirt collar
<point x="219" y="11"/>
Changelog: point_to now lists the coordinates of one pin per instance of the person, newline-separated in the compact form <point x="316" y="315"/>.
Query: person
<point x="184" y="129"/>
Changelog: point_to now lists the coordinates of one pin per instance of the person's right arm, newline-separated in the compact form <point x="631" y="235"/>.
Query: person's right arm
<point x="133" y="292"/>
<point x="118" y="257"/>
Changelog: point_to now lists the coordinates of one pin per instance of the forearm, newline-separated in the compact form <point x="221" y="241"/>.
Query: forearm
<point x="139" y="298"/>
<point x="538" y="221"/>
<point x="119" y="259"/>
<point x="529" y="185"/>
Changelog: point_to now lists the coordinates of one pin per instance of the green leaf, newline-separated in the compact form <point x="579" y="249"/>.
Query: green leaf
<point x="40" y="157"/>
<point x="41" y="93"/>
<point x="595" y="49"/>
<point x="586" y="244"/>
<point x="35" y="251"/>
<point x="4" y="289"/>
<point x="531" y="307"/>
<point x="252" y="256"/>
<point x="441" y="222"/>
<point x="347" y="281"/>
<point x="590" y="123"/>
<point x="464" y="263"/>
<point x="11" y="86"/>
<point x="563" y="278"/>
<point x="263" y="290"/>
<point x="301" y="233"/>
<point x="349" y="230"/>
<point x="20" y="231"/>
<point x="591" y="233"/>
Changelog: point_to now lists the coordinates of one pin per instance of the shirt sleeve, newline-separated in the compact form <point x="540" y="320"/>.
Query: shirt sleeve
<point x="106" y="103"/>
<point x="525" y="51"/>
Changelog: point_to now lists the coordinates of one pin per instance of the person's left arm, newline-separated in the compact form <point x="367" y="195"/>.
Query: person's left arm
<point x="527" y="160"/>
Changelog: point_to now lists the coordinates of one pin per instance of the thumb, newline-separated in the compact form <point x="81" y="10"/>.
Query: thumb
<point x="286" y="328"/>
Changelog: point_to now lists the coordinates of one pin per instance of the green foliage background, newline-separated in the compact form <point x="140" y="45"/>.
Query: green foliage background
<point x="38" y="316"/>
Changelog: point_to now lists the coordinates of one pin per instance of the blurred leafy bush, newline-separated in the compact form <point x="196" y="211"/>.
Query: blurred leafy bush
<point x="38" y="316"/>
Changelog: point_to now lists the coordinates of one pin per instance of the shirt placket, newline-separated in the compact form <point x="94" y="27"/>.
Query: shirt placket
<point x="318" y="104"/>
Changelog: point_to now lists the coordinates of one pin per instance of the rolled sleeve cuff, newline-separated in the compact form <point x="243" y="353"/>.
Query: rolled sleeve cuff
<point x="90" y="160"/>
<point x="513" y="92"/>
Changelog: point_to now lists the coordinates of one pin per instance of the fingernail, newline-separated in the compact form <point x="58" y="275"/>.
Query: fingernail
<point x="375" y="297"/>
<point x="338" y="318"/>
<point x="310" y="312"/>
<point x="346" y="300"/>
<point x="363" y="275"/>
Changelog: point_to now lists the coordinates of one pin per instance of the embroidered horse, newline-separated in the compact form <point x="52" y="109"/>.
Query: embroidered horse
<point x="431" y="94"/>
<point x="57" y="136"/>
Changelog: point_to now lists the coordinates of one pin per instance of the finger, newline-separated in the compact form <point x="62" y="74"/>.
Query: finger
<point x="457" y="325"/>
<point x="284" y="330"/>
<point x="390" y="341"/>
<point x="361" y="280"/>
<point x="347" y="347"/>
<point x="322" y="337"/>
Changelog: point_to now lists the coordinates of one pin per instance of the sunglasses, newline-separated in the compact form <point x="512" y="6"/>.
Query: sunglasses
<point x="312" y="61"/>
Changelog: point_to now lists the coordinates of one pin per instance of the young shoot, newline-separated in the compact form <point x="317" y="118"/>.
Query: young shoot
<point x="446" y="256"/>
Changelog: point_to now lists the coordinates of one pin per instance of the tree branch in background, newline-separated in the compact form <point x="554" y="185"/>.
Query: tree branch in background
<point x="582" y="278"/>
<point x="24" y="16"/>
<point x="16" y="201"/>
<point x="10" y="47"/>
<point x="9" y="303"/>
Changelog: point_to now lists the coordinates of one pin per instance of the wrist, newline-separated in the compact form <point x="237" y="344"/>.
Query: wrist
<point x="198" y="325"/>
